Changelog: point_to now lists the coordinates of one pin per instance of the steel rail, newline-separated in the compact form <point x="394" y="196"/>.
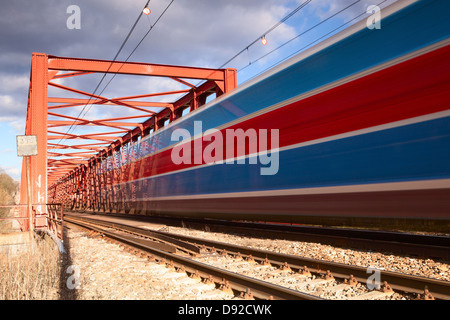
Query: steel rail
<point x="259" y="289"/>
<point x="176" y="243"/>
<point x="398" y="281"/>
<point x="424" y="246"/>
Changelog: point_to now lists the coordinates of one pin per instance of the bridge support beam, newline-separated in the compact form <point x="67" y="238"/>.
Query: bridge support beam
<point x="76" y="174"/>
<point x="36" y="124"/>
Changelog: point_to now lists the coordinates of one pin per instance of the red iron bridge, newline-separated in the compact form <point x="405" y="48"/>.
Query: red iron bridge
<point x="354" y="130"/>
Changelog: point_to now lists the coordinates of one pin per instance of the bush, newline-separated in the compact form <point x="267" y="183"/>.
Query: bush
<point x="8" y="187"/>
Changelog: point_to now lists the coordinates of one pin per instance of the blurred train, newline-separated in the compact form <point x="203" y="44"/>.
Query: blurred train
<point x="354" y="130"/>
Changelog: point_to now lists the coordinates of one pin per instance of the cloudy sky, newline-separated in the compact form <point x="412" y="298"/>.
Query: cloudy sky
<point x="203" y="33"/>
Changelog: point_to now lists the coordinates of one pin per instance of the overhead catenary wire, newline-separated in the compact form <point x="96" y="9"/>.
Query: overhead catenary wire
<point x="293" y="12"/>
<point x="311" y="43"/>
<point x="80" y="115"/>
<point x="292" y="39"/>
<point x="139" y="43"/>
<point x="306" y="31"/>
<point x="301" y="6"/>
<point x="284" y="19"/>
<point x="132" y="52"/>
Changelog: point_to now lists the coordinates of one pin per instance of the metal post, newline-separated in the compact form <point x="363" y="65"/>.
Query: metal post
<point x="30" y="210"/>
<point x="62" y="221"/>
<point x="26" y="147"/>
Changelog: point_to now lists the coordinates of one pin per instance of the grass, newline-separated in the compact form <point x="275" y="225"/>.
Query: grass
<point x="30" y="275"/>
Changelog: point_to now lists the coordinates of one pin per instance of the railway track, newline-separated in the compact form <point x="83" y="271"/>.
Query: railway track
<point x="263" y="274"/>
<point x="419" y="245"/>
<point x="177" y="256"/>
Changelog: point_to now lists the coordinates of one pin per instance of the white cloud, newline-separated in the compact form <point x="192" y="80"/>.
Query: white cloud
<point x="11" y="109"/>
<point x="13" y="82"/>
<point x="13" y="172"/>
<point x="18" y="126"/>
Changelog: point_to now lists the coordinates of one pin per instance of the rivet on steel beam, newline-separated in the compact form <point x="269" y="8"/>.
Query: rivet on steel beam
<point x="238" y="256"/>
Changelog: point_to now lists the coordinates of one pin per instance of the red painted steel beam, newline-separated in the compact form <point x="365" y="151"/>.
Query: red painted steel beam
<point x="61" y="123"/>
<point x="133" y="68"/>
<point x="77" y="91"/>
<point x="74" y="102"/>
<point x="81" y="175"/>
<point x="83" y="136"/>
<point x="166" y="93"/>
<point x="86" y="154"/>
<point x="92" y="146"/>
<point x="53" y="74"/>
<point x="36" y="124"/>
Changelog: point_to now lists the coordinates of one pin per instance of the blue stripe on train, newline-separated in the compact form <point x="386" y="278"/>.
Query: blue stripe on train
<point x="414" y="152"/>
<point x="415" y="27"/>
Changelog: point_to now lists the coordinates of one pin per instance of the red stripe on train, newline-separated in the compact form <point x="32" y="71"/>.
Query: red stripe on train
<point x="413" y="88"/>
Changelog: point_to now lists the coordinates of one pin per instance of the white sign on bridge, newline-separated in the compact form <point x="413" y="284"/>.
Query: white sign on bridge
<point x="26" y="146"/>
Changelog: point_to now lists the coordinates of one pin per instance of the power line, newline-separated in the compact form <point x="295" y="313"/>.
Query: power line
<point x="306" y="31"/>
<point x="110" y="65"/>
<point x="311" y="43"/>
<point x="301" y="6"/>
<point x="139" y="43"/>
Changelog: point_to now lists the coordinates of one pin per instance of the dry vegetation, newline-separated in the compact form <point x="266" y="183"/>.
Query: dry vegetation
<point x="30" y="275"/>
<point x="8" y="188"/>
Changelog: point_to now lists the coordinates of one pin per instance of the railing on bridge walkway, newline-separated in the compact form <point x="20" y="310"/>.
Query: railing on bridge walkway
<point x="18" y="214"/>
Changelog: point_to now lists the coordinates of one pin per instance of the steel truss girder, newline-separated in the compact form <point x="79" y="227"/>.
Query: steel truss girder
<point x="80" y="177"/>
